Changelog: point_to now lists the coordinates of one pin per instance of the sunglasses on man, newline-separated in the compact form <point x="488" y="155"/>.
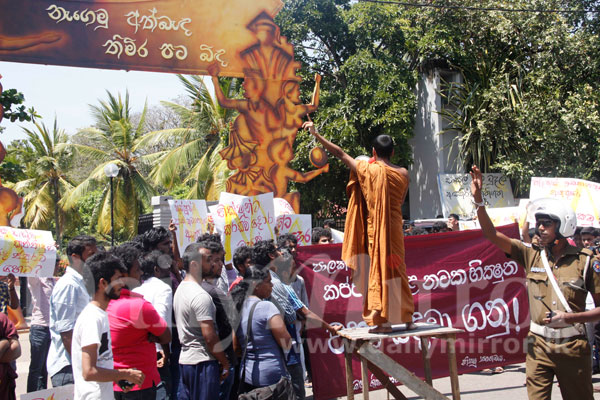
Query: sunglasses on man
<point x="547" y="223"/>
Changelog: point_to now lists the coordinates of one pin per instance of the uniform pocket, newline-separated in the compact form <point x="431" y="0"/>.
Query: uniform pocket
<point x="573" y="289"/>
<point x="537" y="286"/>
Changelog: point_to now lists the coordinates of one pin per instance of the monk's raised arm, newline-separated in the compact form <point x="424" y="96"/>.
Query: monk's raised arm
<point x="332" y="148"/>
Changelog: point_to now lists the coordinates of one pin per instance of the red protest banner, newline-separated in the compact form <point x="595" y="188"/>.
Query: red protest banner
<point x="458" y="279"/>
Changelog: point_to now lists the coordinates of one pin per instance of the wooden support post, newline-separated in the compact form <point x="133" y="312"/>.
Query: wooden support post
<point x="349" y="374"/>
<point x="365" y="378"/>
<point x="381" y="365"/>
<point x="453" y="369"/>
<point x="426" y="359"/>
<point x="399" y="372"/>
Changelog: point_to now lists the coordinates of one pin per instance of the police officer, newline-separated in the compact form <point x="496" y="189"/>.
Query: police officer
<point x="557" y="344"/>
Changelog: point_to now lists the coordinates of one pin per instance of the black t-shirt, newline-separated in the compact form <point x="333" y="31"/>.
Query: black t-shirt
<point x="224" y="317"/>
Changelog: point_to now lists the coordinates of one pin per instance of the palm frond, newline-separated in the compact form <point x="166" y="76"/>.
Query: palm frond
<point x="157" y="137"/>
<point x="174" y="161"/>
<point x="89" y="151"/>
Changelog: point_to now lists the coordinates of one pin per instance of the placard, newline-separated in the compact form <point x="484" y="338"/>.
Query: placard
<point x="191" y="219"/>
<point x="26" y="252"/>
<point x="243" y="220"/>
<point x="456" y="198"/>
<point x="281" y="207"/>
<point x="499" y="216"/>
<point x="57" y="393"/>
<point x="583" y="196"/>
<point x="300" y="225"/>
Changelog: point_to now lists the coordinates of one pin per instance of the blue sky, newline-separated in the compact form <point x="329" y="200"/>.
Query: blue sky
<point x="67" y="92"/>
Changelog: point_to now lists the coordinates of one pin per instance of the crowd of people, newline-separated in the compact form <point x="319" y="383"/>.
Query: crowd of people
<point x="141" y="321"/>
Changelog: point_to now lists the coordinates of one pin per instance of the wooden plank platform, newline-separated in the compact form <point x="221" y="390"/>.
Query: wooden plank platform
<point x="423" y="330"/>
<point x="357" y="342"/>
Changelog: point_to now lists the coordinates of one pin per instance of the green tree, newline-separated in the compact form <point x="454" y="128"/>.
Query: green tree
<point x="196" y="142"/>
<point x="10" y="98"/>
<point x="48" y="182"/>
<point x="87" y="207"/>
<point x="368" y="80"/>
<point x="18" y="162"/>
<point x="112" y="140"/>
<point x="528" y="103"/>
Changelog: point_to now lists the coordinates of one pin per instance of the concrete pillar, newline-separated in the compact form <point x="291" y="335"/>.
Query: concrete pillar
<point x="161" y="214"/>
<point x="434" y="152"/>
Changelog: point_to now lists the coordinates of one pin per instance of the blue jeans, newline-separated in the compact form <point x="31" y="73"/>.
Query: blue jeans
<point x="297" y="375"/>
<point x="63" y="377"/>
<point x="163" y="391"/>
<point x="39" y="338"/>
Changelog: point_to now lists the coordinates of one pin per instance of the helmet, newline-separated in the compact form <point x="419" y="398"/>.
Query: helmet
<point x="557" y="210"/>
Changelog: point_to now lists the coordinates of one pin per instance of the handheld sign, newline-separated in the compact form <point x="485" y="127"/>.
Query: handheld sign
<point x="300" y="225"/>
<point x="57" y="393"/>
<point x="581" y="195"/>
<point x="191" y="219"/>
<point x="243" y="220"/>
<point x="281" y="207"/>
<point x="455" y="193"/>
<point x="26" y="252"/>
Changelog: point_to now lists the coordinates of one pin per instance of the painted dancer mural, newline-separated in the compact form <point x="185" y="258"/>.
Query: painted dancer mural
<point x="262" y="138"/>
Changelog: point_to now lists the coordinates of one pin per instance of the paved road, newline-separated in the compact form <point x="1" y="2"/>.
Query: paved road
<point x="476" y="386"/>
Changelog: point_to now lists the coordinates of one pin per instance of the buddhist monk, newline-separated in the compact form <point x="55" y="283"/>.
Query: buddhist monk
<point x="374" y="241"/>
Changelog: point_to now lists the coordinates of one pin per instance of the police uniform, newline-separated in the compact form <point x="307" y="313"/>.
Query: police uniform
<point x="564" y="352"/>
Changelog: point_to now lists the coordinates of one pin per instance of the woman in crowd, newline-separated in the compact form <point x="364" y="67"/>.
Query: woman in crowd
<point x="264" y="363"/>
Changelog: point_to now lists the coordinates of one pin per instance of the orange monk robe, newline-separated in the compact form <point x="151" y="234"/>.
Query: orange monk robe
<point x="374" y="228"/>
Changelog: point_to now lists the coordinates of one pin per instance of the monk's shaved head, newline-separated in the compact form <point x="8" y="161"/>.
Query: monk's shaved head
<point x="384" y="146"/>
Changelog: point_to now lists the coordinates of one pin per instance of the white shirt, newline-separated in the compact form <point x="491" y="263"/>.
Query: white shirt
<point x="160" y="295"/>
<point x="69" y="298"/>
<point x="92" y="328"/>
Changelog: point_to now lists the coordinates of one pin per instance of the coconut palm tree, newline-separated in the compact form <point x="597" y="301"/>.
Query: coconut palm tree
<point x="48" y="182"/>
<point x="209" y="176"/>
<point x="197" y="141"/>
<point x="112" y="140"/>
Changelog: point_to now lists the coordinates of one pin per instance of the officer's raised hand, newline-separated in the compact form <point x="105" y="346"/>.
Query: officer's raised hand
<point x="476" y="183"/>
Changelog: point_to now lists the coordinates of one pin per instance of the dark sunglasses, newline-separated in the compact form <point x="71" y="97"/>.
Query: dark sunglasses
<point x="546" y="222"/>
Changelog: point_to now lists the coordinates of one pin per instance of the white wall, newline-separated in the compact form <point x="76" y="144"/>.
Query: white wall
<point x="432" y="152"/>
